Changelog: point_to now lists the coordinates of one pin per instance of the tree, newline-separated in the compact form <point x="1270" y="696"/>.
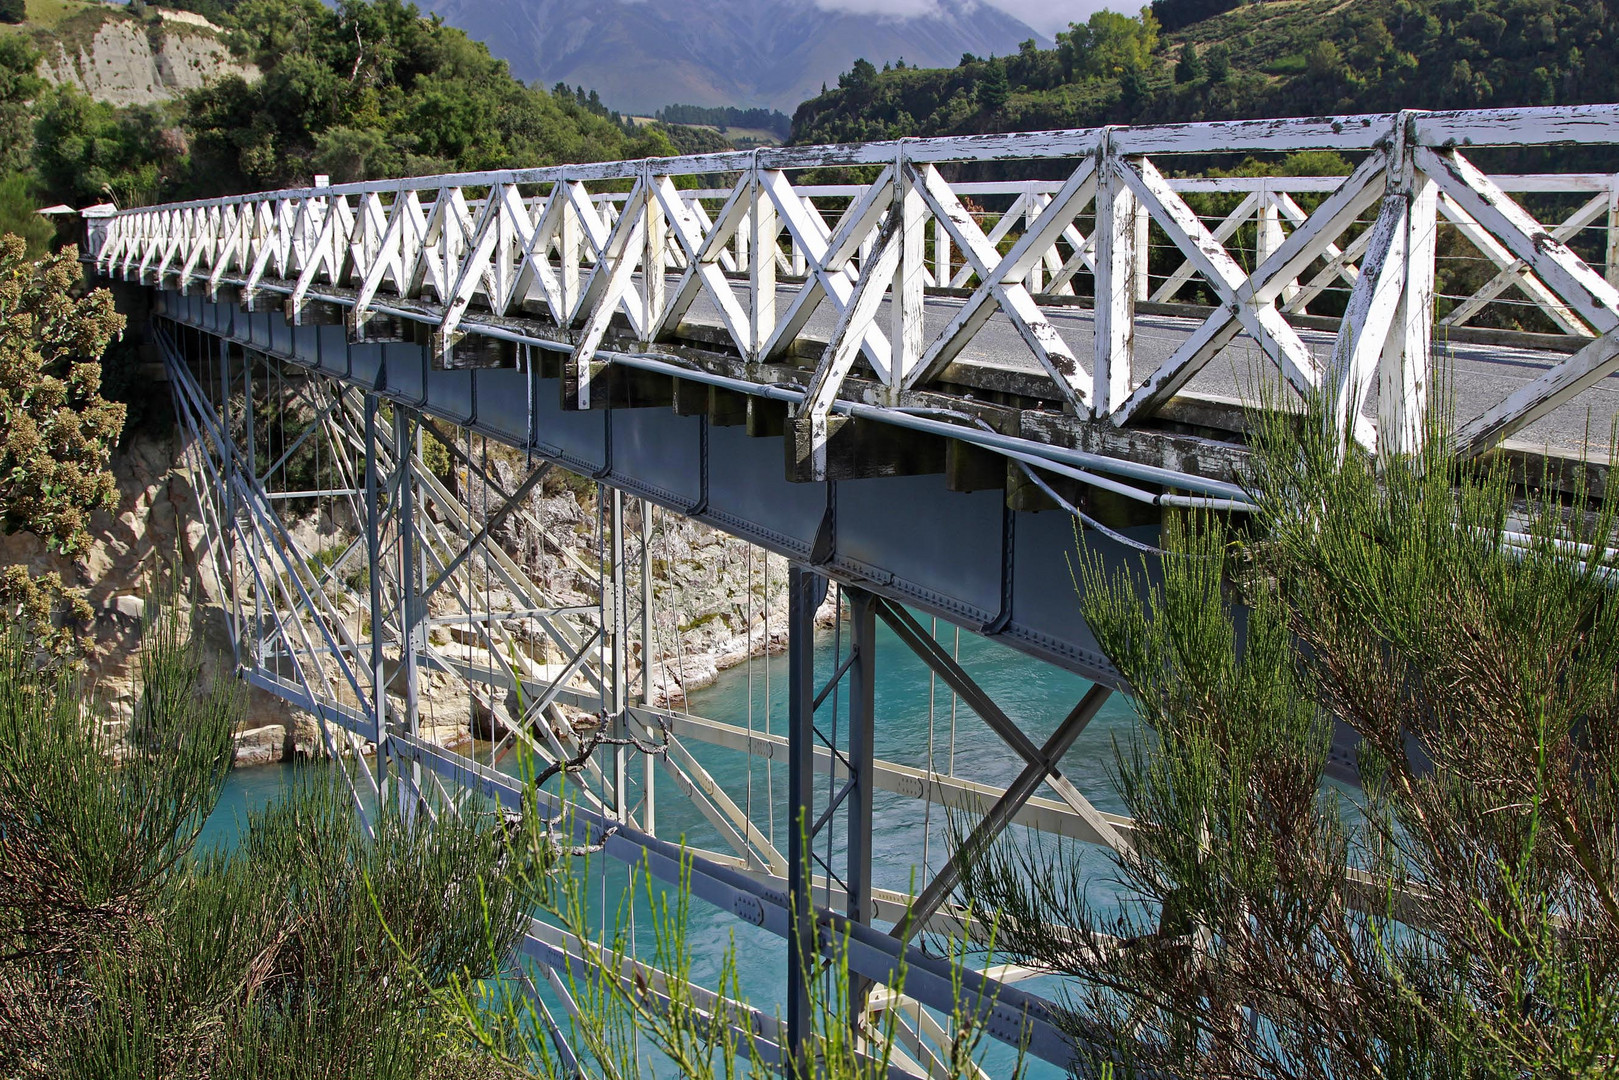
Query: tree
<point x="56" y="430"/>
<point x="88" y="151"/>
<point x="1107" y="45"/>
<point x="994" y="88"/>
<point x="19" y="86"/>
<point x="13" y="11"/>
<point x="1457" y="917"/>
<point x="19" y="214"/>
<point x="861" y="74"/>
<point x="312" y="949"/>
<point x="1189" y="67"/>
<point x="1217" y="63"/>
<point x="59" y="431"/>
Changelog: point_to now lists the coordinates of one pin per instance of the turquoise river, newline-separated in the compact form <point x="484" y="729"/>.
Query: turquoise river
<point x="916" y="725"/>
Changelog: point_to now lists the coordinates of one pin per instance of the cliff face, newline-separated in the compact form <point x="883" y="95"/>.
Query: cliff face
<point x="153" y="528"/>
<point x="121" y="60"/>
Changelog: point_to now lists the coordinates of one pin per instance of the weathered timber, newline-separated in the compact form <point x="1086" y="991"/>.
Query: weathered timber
<point x="860" y="450"/>
<point x="733" y="278"/>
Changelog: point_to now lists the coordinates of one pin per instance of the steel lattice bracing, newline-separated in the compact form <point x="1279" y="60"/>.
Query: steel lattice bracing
<point x="348" y="634"/>
<point x="827" y="373"/>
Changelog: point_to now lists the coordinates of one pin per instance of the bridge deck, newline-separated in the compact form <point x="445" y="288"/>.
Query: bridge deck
<point x="862" y="377"/>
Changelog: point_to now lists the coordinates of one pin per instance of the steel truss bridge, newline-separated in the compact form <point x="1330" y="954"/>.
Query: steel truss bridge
<point x="909" y="385"/>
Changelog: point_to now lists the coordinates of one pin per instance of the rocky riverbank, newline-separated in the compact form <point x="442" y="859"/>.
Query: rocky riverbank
<point x="713" y="608"/>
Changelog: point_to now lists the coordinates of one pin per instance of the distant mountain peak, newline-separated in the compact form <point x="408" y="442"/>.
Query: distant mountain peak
<point x="641" y="55"/>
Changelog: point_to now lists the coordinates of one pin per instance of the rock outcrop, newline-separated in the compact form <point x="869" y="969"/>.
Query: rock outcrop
<point x="119" y="59"/>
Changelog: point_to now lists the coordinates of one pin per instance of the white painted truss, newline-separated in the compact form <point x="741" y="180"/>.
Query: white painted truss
<point x="576" y="247"/>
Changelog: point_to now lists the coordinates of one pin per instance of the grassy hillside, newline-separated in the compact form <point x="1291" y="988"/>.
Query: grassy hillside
<point x="1267" y="58"/>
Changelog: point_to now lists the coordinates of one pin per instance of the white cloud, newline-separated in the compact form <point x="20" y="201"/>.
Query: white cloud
<point x="1046" y="16"/>
<point x="1050" y="16"/>
<point x="897" y="9"/>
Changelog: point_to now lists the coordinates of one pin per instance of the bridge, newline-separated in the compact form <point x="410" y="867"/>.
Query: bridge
<point x="918" y="384"/>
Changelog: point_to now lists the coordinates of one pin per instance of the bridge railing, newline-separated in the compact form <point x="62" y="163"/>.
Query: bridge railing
<point x="751" y="242"/>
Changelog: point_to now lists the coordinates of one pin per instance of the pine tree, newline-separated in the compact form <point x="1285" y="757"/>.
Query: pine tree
<point x="1456" y="916"/>
<point x="1189" y="68"/>
<point x="993" y="88"/>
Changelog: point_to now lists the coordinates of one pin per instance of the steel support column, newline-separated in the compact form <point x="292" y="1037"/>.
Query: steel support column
<point x="862" y="762"/>
<point x="406" y="436"/>
<point x="228" y="508"/>
<point x="648" y="763"/>
<point x="805" y="588"/>
<point x="373" y="554"/>
<point x="615" y="601"/>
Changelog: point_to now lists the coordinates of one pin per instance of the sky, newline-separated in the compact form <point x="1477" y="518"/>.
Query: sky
<point x="1046" y="16"/>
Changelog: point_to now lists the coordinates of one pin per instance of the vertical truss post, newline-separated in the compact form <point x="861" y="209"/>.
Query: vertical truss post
<point x="1611" y="261"/>
<point x="654" y="257"/>
<point x="805" y="589"/>
<point x="766" y="228"/>
<point x="406" y="436"/>
<point x="373" y="555"/>
<point x="1404" y="369"/>
<point x="1143" y="249"/>
<point x="862" y="766"/>
<point x="906" y="331"/>
<point x="570" y="238"/>
<point x="1116" y="283"/>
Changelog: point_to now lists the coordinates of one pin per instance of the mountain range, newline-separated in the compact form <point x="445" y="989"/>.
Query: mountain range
<point x="640" y="55"/>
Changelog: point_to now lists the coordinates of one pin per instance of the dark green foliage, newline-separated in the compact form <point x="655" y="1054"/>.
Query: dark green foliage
<point x="19" y="203"/>
<point x="365" y="90"/>
<point x="728" y="116"/>
<point x="1175" y="14"/>
<point x="13" y="11"/>
<point x="87" y="151"/>
<point x="1190" y="66"/>
<point x="19" y="85"/>
<point x="860" y="75"/>
<point x="993" y="89"/>
<point x="1307" y="57"/>
<point x="372" y="89"/>
<point x="1459" y="917"/>
<point x="312" y="950"/>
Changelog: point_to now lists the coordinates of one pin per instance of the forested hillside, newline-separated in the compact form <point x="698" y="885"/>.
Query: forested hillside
<point x="1266" y="58"/>
<point x="366" y="89"/>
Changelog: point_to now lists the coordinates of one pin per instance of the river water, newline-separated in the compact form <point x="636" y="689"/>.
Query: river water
<point x="914" y="726"/>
